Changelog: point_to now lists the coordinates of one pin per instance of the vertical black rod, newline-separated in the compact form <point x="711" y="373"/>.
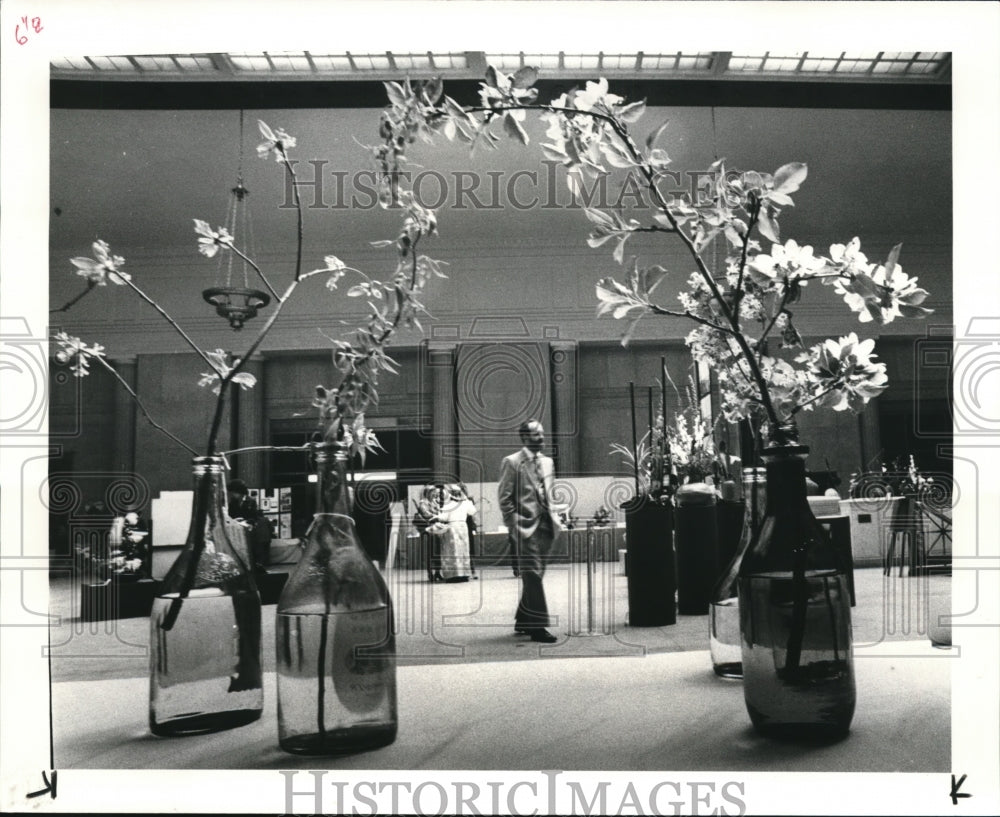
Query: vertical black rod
<point x="653" y="476"/>
<point x="667" y="466"/>
<point x="635" y="442"/>
<point x="650" y="388"/>
<point x="590" y="580"/>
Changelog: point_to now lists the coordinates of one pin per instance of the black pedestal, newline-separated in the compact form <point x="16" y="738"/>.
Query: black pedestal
<point x="649" y="564"/>
<point x="696" y="537"/>
<point x="270" y="585"/>
<point x="729" y="516"/>
<point x="116" y="599"/>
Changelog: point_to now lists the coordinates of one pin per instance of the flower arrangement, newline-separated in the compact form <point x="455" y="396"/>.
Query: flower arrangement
<point x="738" y="311"/>
<point x="127" y="549"/>
<point x="901" y="479"/>
<point x="602" y="517"/>
<point x="678" y="452"/>
<point x="690" y="447"/>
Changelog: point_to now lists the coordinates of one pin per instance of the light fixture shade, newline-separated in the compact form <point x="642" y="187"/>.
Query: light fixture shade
<point x="236" y="304"/>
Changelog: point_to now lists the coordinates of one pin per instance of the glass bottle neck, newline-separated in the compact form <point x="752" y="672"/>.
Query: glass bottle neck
<point x="786" y="478"/>
<point x="209" y="484"/>
<point x="332" y="492"/>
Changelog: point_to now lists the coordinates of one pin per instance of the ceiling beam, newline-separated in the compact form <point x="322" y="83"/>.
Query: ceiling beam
<point x="280" y="93"/>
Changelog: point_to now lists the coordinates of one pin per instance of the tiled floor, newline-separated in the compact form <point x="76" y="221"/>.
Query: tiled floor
<point x="444" y="623"/>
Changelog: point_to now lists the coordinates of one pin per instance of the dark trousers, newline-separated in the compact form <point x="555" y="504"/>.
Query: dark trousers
<point x="431" y="544"/>
<point x="472" y="545"/>
<point x="532" y="609"/>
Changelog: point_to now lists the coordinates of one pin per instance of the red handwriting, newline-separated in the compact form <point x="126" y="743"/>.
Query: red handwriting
<point x="22" y="37"/>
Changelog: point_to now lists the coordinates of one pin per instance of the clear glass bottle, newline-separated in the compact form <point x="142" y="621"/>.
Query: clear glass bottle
<point x="205" y="645"/>
<point x="795" y="612"/>
<point x="724" y="613"/>
<point x="938" y="584"/>
<point x="336" y="651"/>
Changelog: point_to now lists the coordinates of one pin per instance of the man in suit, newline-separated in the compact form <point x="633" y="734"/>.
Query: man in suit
<point x="525" y="492"/>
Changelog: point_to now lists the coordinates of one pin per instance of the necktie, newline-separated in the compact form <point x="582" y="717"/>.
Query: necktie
<point x="541" y="479"/>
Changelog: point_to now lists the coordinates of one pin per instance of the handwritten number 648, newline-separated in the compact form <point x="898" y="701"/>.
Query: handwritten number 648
<point x="22" y="37"/>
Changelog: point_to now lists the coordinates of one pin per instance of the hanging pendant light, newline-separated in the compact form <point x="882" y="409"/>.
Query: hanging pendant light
<point x="237" y="304"/>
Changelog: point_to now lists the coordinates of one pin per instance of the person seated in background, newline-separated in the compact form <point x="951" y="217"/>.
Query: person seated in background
<point x="241" y="508"/>
<point x="456" y="563"/>
<point x="426" y="522"/>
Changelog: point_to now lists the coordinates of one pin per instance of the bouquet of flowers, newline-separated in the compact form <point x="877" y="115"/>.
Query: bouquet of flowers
<point x="690" y="446"/>
<point x="902" y="478"/>
<point x="126" y="546"/>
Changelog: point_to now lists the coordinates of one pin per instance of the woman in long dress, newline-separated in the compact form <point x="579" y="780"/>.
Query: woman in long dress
<point x="456" y="563"/>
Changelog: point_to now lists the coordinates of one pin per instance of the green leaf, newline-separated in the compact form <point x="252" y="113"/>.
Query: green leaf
<point x="525" y="77"/>
<point x="514" y="129"/>
<point x="553" y="153"/>
<point x="597" y="239"/>
<point x="393" y="90"/>
<point x="787" y="178"/>
<point x="733" y="236"/>
<point x="778" y="197"/>
<point x="633" y="112"/>
<point x="768" y="227"/>
<point x="619" y="252"/>
<point x="627" y="334"/>
<point x="652" y="278"/>
<point x="658" y="159"/>
<point x="890" y="261"/>
<point x="600" y="218"/>
<point x="432" y="90"/>
<point x="914" y="297"/>
<point x="616" y="155"/>
<point x="265" y="131"/>
<point x="245" y="380"/>
<point x="651" y="139"/>
<point x="491" y="76"/>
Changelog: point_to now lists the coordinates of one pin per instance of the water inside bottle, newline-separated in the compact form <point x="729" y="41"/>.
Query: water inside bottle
<point x="724" y="638"/>
<point x="196" y="686"/>
<point x="801" y="684"/>
<point x="336" y="681"/>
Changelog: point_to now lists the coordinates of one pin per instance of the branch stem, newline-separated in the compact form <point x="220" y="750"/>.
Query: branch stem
<point x="173" y="323"/>
<point x="65" y="307"/>
<point x="145" y="413"/>
<point x="257" y="269"/>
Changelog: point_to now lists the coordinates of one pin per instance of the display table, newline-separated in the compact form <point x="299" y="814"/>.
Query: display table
<point x="570" y="545"/>
<point x="660" y="712"/>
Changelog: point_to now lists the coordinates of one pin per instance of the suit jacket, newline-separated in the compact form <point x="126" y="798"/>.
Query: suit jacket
<point x="522" y="501"/>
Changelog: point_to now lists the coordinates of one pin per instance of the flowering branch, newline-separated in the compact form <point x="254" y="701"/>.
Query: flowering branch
<point x="176" y="326"/>
<point x="78" y="355"/>
<point x="588" y="130"/>
<point x="76" y="298"/>
<point x="256" y="269"/>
